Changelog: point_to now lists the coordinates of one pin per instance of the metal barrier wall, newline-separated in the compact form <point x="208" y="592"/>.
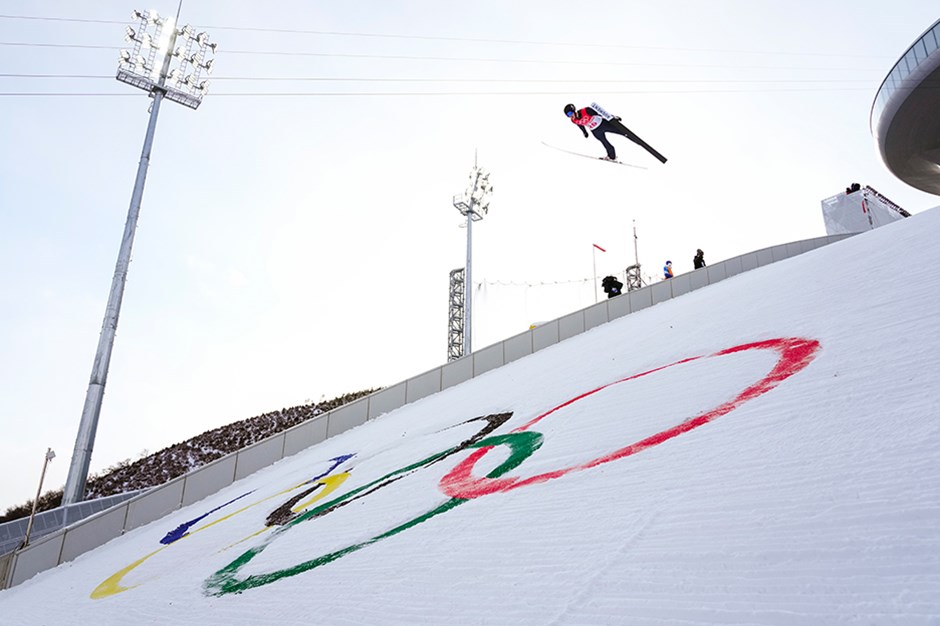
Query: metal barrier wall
<point x="6" y="561"/>
<point x="155" y="503"/>
<point x="46" y="522"/>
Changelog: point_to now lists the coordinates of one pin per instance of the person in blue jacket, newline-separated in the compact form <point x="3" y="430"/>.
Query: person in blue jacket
<point x="667" y="270"/>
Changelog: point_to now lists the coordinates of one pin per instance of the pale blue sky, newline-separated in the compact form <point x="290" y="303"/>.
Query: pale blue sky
<point x="294" y="247"/>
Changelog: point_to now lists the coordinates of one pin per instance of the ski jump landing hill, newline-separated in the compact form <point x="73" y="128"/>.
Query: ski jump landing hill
<point x="762" y="451"/>
<point x="96" y="530"/>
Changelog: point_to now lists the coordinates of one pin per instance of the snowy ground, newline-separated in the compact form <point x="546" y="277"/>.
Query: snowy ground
<point x="761" y="451"/>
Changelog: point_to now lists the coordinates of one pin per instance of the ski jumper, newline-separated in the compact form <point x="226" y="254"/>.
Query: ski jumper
<point x="589" y="119"/>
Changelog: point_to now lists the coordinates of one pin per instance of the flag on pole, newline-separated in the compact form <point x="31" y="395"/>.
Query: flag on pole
<point x="594" y="259"/>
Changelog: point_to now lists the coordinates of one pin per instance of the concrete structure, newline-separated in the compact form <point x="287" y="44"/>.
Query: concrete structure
<point x="904" y="119"/>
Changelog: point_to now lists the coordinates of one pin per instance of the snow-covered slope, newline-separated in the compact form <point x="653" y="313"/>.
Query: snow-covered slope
<point x="761" y="451"/>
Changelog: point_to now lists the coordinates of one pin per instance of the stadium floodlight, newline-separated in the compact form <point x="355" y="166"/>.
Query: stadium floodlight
<point x="473" y="204"/>
<point x="147" y="67"/>
<point x="159" y="49"/>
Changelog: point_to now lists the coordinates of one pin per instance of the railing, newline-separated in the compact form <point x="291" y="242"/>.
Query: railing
<point x="902" y="70"/>
<point x="13" y="533"/>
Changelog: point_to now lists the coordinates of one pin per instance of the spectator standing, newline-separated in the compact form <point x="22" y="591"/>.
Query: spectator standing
<point x="698" y="261"/>
<point x="612" y="286"/>
<point x="667" y="270"/>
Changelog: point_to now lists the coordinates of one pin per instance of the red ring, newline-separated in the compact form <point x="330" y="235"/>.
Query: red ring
<point x="795" y="354"/>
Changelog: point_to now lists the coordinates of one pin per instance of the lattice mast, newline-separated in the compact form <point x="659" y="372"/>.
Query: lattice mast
<point x="455" y="318"/>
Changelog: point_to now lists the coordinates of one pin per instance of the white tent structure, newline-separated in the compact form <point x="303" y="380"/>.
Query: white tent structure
<point x="858" y="211"/>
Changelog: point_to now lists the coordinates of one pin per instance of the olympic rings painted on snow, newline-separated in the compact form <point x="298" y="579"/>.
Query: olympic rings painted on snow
<point x="459" y="485"/>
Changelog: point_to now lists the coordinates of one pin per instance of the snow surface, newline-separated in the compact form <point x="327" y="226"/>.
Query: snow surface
<point x="792" y="481"/>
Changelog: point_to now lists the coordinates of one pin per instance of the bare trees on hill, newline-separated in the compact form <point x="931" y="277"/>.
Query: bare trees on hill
<point x="184" y="457"/>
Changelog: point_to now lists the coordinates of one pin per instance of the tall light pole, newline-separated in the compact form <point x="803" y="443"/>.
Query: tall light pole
<point x="147" y="67"/>
<point x="29" y="525"/>
<point x="472" y="204"/>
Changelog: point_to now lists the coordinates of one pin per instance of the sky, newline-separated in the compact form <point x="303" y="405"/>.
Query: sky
<point x="297" y="230"/>
<point x="762" y="451"/>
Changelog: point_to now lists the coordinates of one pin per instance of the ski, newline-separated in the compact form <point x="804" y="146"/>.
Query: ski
<point x="588" y="156"/>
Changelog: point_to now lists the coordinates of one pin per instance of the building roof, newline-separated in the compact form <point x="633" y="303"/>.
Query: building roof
<point x="904" y="116"/>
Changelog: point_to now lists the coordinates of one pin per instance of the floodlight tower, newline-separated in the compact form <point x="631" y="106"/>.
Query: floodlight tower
<point x="147" y="67"/>
<point x="473" y="204"/>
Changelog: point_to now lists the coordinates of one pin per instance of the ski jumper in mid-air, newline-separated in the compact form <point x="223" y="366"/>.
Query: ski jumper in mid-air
<point x="600" y="122"/>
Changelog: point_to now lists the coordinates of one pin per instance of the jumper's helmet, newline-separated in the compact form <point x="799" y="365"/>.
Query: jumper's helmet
<point x="569" y="110"/>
